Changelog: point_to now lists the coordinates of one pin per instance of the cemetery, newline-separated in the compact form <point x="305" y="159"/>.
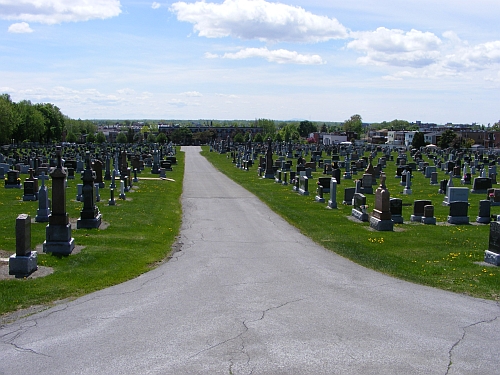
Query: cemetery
<point x="381" y="218"/>
<point x="100" y="215"/>
<point x="57" y="246"/>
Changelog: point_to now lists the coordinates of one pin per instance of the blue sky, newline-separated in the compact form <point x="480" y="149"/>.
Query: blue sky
<point x="427" y="60"/>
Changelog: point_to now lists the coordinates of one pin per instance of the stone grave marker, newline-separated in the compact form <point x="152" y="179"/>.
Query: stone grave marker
<point x="348" y="196"/>
<point x="359" y="209"/>
<point x="429" y="218"/>
<point x="58" y="232"/>
<point x="484" y="216"/>
<point x="492" y="255"/>
<point x="381" y="215"/>
<point x="458" y="212"/>
<point x="418" y="210"/>
<point x="396" y="207"/>
<point x="24" y="262"/>
<point x="332" y="202"/>
<point x="43" y="211"/>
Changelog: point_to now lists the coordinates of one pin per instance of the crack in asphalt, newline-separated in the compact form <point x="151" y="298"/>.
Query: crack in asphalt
<point x="245" y="329"/>
<point x="461" y="339"/>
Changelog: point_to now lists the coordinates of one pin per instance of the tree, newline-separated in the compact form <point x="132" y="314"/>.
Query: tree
<point x="121" y="138"/>
<point x="152" y="138"/>
<point x="447" y="138"/>
<point x="9" y="119"/>
<point x="324" y="129"/>
<point x="90" y="138"/>
<point x="130" y="135"/>
<point x="268" y="126"/>
<point x="54" y="124"/>
<point x="239" y="138"/>
<point x="418" y="140"/>
<point x="100" y="138"/>
<point x="31" y="125"/>
<point x="162" y="138"/>
<point x="496" y="126"/>
<point x="138" y="137"/>
<point x="182" y="135"/>
<point x="71" y="137"/>
<point x="354" y="124"/>
<point x="306" y="127"/>
<point x="258" y="138"/>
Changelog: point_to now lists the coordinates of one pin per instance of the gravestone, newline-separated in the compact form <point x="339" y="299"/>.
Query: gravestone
<point x="30" y="187"/>
<point x="323" y="187"/>
<point x="269" y="173"/>
<point x="396" y="207"/>
<point x="484" y="212"/>
<point x="348" y="196"/>
<point x="458" y="213"/>
<point x="443" y="185"/>
<point x="24" y="262"/>
<point x="332" y="202"/>
<point x="434" y="178"/>
<point x="359" y="210"/>
<point x="407" y="190"/>
<point x="43" y="211"/>
<point x="492" y="255"/>
<point x="429" y="218"/>
<point x="90" y="217"/>
<point x="456" y="194"/>
<point x="481" y="185"/>
<point x="97" y="168"/>
<point x="381" y="215"/>
<point x="13" y="181"/>
<point x="111" y="201"/>
<point x="304" y="185"/>
<point x="418" y="210"/>
<point x="58" y="232"/>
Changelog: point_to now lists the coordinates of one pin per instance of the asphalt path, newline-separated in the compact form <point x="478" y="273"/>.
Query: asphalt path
<point x="248" y="294"/>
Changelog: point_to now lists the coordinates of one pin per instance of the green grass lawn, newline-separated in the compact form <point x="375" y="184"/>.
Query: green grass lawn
<point x="443" y="256"/>
<point x="141" y="232"/>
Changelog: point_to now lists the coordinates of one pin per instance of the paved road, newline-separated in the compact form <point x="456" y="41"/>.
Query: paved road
<point x="248" y="294"/>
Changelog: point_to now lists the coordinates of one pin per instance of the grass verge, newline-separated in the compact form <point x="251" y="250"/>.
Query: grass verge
<point x="141" y="232"/>
<point x="444" y="256"/>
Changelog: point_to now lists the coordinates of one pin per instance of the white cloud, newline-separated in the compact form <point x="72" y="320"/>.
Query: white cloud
<point x="155" y="5"/>
<point x="192" y="94"/>
<point x="57" y="11"/>
<point x="20" y="28"/>
<point x="395" y="47"/>
<point x="258" y="19"/>
<point x="209" y="55"/>
<point x="477" y="57"/>
<point x="280" y="56"/>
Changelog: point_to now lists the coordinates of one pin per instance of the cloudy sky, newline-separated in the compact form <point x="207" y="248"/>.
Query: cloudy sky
<point x="428" y="60"/>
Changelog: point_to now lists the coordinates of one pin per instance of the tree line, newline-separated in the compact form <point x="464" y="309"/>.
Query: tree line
<point x="41" y="122"/>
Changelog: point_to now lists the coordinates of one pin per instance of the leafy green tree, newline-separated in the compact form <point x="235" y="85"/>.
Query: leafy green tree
<point x="130" y="135"/>
<point x="54" y="124"/>
<point x="496" y="126"/>
<point x="152" y="138"/>
<point x="268" y="126"/>
<point x="90" y="138"/>
<point x="9" y="119"/>
<point x="182" y="135"/>
<point x="138" y="137"/>
<point x="258" y="138"/>
<point x="278" y="137"/>
<point x="306" y="127"/>
<point x="418" y="140"/>
<point x="162" y="138"/>
<point x="354" y="124"/>
<point x="32" y="123"/>
<point x="324" y="129"/>
<point x="239" y="138"/>
<point x="100" y="138"/>
<point x="447" y="138"/>
<point x="71" y="137"/>
<point x="121" y="138"/>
